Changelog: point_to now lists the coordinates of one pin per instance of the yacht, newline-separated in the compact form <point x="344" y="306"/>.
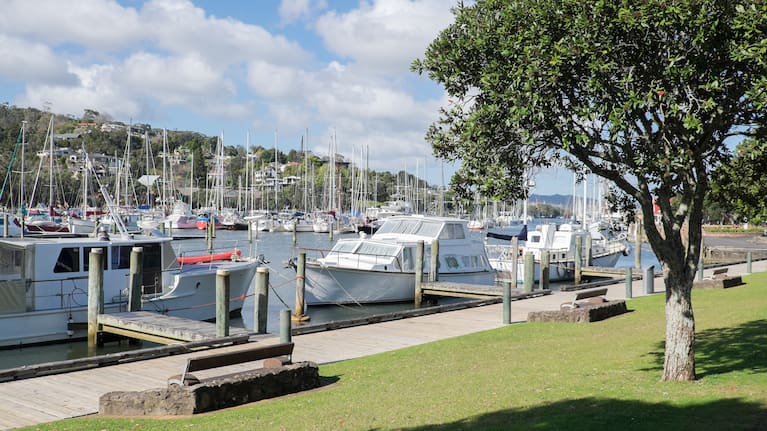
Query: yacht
<point x="381" y="268"/>
<point x="560" y="242"/>
<point x="44" y="283"/>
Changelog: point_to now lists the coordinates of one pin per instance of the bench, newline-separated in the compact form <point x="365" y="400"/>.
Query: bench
<point x="719" y="273"/>
<point x="585" y="294"/>
<point x="282" y="352"/>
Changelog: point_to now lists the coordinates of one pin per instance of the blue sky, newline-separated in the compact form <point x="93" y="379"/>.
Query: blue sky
<point x="271" y="69"/>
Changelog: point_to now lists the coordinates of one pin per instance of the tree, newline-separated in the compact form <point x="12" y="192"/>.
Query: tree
<point x="643" y="94"/>
<point x="744" y="198"/>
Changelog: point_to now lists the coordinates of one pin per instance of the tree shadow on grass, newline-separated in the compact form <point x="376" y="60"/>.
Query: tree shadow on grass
<point x="724" y="350"/>
<point x="605" y="414"/>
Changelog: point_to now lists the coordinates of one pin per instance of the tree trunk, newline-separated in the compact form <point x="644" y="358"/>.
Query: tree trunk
<point x="679" y="361"/>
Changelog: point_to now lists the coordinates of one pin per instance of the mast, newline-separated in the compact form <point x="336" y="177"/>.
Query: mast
<point x="23" y="145"/>
<point x="50" y="175"/>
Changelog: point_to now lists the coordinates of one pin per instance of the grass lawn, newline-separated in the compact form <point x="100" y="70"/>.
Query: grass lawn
<point x="532" y="376"/>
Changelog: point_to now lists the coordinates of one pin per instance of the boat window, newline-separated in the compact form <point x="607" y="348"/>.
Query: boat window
<point x="68" y="260"/>
<point x="452" y="231"/>
<point x="377" y="249"/>
<point x="473" y="261"/>
<point x="429" y="229"/>
<point x="10" y="262"/>
<point x="87" y="257"/>
<point x="121" y="256"/>
<point x="345" y="246"/>
<point x="152" y="256"/>
<point x="408" y="262"/>
<point x="452" y="262"/>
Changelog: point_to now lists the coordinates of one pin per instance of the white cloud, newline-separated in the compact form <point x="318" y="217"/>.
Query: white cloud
<point x="387" y="35"/>
<point x="34" y="62"/>
<point x="180" y="27"/>
<point x="96" y="24"/>
<point x="174" y="80"/>
<point x="97" y="90"/>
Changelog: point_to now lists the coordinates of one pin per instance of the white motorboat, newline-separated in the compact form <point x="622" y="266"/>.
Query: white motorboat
<point x="381" y="268"/>
<point x="44" y="283"/>
<point x="559" y="242"/>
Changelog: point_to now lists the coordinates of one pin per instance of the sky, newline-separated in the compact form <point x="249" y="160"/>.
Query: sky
<point x="264" y="71"/>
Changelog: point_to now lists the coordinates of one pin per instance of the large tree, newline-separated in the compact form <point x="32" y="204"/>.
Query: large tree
<point x="643" y="93"/>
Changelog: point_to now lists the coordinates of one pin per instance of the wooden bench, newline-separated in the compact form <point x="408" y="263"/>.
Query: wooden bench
<point x="283" y="352"/>
<point x="585" y="294"/>
<point x="719" y="273"/>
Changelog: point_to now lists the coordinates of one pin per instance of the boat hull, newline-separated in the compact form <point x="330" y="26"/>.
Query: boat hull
<point x="332" y="285"/>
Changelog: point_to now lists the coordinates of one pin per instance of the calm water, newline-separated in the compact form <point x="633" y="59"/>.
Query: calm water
<point x="277" y="248"/>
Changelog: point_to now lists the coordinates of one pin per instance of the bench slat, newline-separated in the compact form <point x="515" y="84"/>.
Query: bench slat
<point x="590" y="293"/>
<point x="238" y="357"/>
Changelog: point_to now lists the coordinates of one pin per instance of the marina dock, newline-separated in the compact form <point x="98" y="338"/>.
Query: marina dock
<point x="54" y="397"/>
<point x="159" y="328"/>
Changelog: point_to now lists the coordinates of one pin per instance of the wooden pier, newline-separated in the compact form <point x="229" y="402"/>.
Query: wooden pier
<point x="604" y="271"/>
<point x="159" y="328"/>
<point x="476" y="291"/>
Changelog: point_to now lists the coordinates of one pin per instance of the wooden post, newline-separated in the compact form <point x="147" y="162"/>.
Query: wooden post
<point x="434" y="262"/>
<point x="589" y="242"/>
<point x="261" y="300"/>
<point x="209" y="235"/>
<point x="286" y="335"/>
<point x="506" y="302"/>
<point x="748" y="262"/>
<point x="418" y="273"/>
<point x="298" y="313"/>
<point x="222" y="303"/>
<point x="529" y="272"/>
<point x="700" y="268"/>
<point x="95" y="295"/>
<point x="295" y="238"/>
<point x="629" y="283"/>
<point x="330" y="231"/>
<point x="136" y="270"/>
<point x="545" y="269"/>
<point x="514" y="261"/>
<point x="578" y="259"/>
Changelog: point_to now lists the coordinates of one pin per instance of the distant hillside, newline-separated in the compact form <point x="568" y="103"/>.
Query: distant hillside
<point x="555" y="200"/>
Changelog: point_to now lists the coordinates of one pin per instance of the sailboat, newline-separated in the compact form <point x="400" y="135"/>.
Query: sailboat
<point x="46" y="218"/>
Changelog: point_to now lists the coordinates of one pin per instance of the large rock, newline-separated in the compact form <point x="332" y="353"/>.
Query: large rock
<point x="582" y="314"/>
<point x="213" y="394"/>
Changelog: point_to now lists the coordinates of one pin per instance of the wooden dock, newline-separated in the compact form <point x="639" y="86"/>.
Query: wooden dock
<point x="604" y="271"/>
<point x="159" y="328"/>
<point x="476" y="291"/>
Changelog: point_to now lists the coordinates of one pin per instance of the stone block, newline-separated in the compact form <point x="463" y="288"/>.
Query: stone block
<point x="583" y="314"/>
<point x="214" y="393"/>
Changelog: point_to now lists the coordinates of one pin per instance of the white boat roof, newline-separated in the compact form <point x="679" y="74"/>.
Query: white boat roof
<point x="79" y="241"/>
<point x="420" y="227"/>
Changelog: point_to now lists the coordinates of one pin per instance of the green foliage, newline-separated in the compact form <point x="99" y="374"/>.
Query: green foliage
<point x="741" y="184"/>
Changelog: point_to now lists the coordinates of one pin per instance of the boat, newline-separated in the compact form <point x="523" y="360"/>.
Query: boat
<point x="381" y="268"/>
<point x="44" y="283"/>
<point x="226" y="255"/>
<point x="560" y="243"/>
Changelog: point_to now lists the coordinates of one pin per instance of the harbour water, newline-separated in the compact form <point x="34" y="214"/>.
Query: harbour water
<point x="277" y="248"/>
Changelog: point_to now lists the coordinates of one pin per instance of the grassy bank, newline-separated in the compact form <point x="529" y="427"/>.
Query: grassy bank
<point x="544" y="376"/>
